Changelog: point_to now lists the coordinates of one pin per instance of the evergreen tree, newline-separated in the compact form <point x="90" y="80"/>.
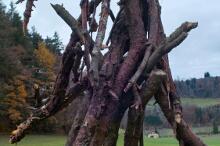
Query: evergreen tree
<point x="207" y="75"/>
<point x="35" y="37"/>
<point x="215" y="128"/>
<point x="11" y="10"/>
<point x="18" y="36"/>
<point x="54" y="43"/>
<point x="5" y="29"/>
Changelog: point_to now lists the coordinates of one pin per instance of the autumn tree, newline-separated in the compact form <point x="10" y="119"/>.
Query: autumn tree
<point x="44" y="57"/>
<point x="134" y="69"/>
<point x="19" y="64"/>
<point x="16" y="99"/>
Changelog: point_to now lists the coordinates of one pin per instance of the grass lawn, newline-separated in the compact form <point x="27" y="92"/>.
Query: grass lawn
<point x="201" y="102"/>
<point x="56" y="140"/>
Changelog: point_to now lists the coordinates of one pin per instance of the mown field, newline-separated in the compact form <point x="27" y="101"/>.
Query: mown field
<point x="56" y="140"/>
<point x="199" y="102"/>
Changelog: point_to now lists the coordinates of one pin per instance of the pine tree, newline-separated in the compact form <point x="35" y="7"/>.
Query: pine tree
<point x="35" y="37"/>
<point x="54" y="43"/>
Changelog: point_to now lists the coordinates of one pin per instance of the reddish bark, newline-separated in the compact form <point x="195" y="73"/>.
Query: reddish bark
<point x="137" y="32"/>
<point x="135" y="118"/>
<point x="27" y="13"/>
<point x="99" y="86"/>
<point x="78" y="119"/>
<point x="135" y="27"/>
<point x="183" y="130"/>
<point x="117" y="110"/>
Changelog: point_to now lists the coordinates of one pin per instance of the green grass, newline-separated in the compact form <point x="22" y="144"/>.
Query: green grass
<point x="167" y="132"/>
<point x="201" y="102"/>
<point x="36" y="140"/>
<point x="153" y="142"/>
<point x="56" y="140"/>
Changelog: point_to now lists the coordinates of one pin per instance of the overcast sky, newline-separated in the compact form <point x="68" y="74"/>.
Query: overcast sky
<point x="199" y="53"/>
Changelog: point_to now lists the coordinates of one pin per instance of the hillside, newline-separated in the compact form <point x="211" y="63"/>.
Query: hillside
<point x="207" y="87"/>
<point x="24" y="61"/>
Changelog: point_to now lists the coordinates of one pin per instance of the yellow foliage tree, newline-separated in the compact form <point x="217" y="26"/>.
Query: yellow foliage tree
<point x="22" y="93"/>
<point x="44" y="56"/>
<point x="16" y="100"/>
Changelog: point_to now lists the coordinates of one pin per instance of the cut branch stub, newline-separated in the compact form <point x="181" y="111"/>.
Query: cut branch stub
<point x="19" y="133"/>
<point x="84" y="13"/>
<point x="171" y="42"/>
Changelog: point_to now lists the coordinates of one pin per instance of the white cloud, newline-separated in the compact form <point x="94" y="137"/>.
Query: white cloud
<point x="197" y="54"/>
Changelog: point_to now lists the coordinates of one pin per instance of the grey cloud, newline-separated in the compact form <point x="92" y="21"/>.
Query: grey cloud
<point x="197" y="54"/>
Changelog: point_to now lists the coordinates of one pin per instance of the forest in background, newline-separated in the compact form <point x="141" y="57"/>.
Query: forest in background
<point x="25" y="61"/>
<point x="207" y="87"/>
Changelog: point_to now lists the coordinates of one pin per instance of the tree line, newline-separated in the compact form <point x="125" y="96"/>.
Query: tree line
<point x="24" y="61"/>
<point x="207" y="87"/>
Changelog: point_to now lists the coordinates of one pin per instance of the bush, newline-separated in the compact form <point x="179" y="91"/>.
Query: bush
<point x="215" y="128"/>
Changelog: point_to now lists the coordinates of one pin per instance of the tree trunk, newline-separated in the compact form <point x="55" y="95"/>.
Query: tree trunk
<point x="78" y="119"/>
<point x="133" y="70"/>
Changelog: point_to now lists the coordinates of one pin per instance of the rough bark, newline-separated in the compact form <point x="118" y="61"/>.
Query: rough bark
<point x="97" y="103"/>
<point x="183" y="130"/>
<point x="113" y="104"/>
<point x="111" y="64"/>
<point x="134" y="128"/>
<point x="27" y="13"/>
<point x="137" y="37"/>
<point x="147" y="91"/>
<point x="96" y="51"/>
<point x="78" y="119"/>
<point x="138" y="47"/>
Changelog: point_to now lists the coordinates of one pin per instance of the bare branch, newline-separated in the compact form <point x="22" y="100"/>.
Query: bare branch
<point x="111" y="15"/>
<point x="42" y="113"/>
<point x="171" y="42"/>
<point x="115" y="21"/>
<point x="140" y="69"/>
<point x="69" y="19"/>
<point x="84" y="13"/>
<point x="96" y="52"/>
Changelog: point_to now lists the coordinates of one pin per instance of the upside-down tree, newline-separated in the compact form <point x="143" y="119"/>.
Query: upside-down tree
<point x="133" y="69"/>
